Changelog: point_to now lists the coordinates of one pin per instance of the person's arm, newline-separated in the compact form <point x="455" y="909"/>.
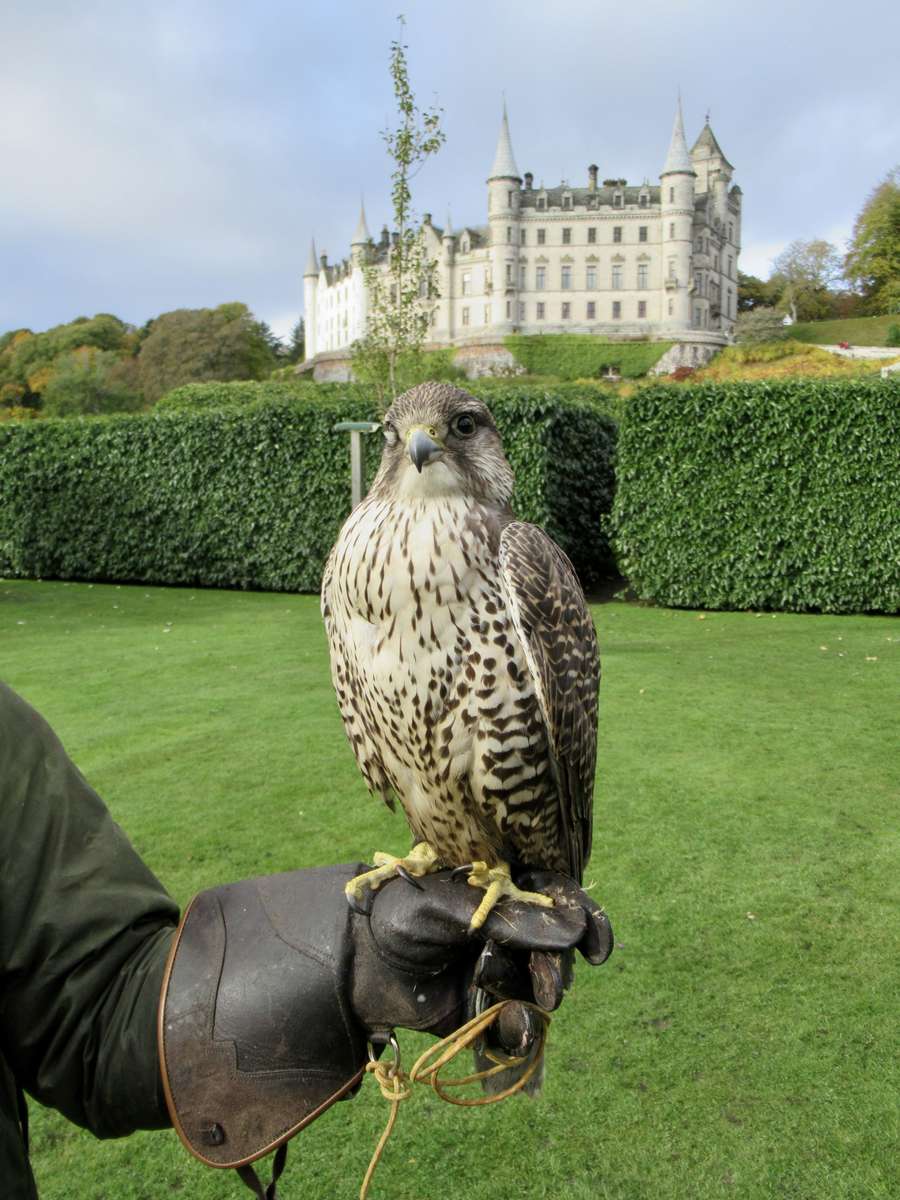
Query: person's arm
<point x="85" y="930"/>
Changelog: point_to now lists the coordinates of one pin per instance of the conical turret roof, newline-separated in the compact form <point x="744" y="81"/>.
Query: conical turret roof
<point x="706" y="146"/>
<point x="504" y="160"/>
<point x="312" y="263"/>
<point x="678" y="160"/>
<point x="362" y="230"/>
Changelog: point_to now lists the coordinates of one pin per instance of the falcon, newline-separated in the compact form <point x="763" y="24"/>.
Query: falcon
<point x="464" y="657"/>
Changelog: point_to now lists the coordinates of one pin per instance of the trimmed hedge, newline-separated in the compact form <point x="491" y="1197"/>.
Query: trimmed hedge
<point x="251" y="495"/>
<point x="580" y="356"/>
<point x="765" y="495"/>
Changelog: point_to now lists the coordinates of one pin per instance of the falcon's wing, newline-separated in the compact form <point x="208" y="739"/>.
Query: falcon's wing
<point x="551" y="618"/>
<point x="347" y="677"/>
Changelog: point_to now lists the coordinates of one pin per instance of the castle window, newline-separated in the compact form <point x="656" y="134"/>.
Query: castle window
<point x="591" y="278"/>
<point x="566" y="310"/>
<point x="731" y="231"/>
<point x="592" y="235"/>
<point x="617" y="278"/>
<point x="617" y="233"/>
<point x="617" y="200"/>
<point x="671" y="268"/>
<point x="522" y="269"/>
<point x="465" y="316"/>
<point x="508" y="309"/>
<point x="466" y="285"/>
<point x="731" y="267"/>
<point x="509" y="274"/>
<point x="509" y="233"/>
<point x="617" y="309"/>
<point x="567" y="201"/>
<point x="671" y="195"/>
<point x="540" y="310"/>
<point x="541" y="278"/>
<point x="697" y="318"/>
<point x="644" y="199"/>
<point x="671" y="229"/>
<point x="487" y="314"/>
<point x="567" y="237"/>
<point x="591" y="310"/>
<point x="671" y="307"/>
<point x="521" y="312"/>
<point x="566" y="278"/>
<point x="642" y="309"/>
<point x="464" y="246"/>
<point x="642" y="233"/>
<point x="542" y="236"/>
<point x="541" y="203"/>
<point x="521" y="237"/>
<point x="642" y="275"/>
<point x="509" y="199"/>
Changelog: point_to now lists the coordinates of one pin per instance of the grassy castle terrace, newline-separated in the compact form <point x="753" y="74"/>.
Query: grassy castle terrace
<point x="737" y="1042"/>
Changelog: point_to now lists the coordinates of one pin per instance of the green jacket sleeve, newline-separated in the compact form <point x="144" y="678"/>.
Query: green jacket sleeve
<point x="85" y="930"/>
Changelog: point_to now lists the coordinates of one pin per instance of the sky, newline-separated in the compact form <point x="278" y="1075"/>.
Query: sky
<point x="182" y="154"/>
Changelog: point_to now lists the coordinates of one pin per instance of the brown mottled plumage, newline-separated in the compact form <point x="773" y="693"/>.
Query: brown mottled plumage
<point x="463" y="654"/>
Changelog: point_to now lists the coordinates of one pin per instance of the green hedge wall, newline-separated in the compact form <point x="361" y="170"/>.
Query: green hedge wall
<point x="780" y="495"/>
<point x="251" y="494"/>
<point x="580" y="356"/>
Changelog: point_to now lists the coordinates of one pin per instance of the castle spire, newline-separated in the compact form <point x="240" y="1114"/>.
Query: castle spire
<point x="362" y="230"/>
<point x="504" y="160"/>
<point x="678" y="160"/>
<point x="706" y="145"/>
<point x="312" y="263"/>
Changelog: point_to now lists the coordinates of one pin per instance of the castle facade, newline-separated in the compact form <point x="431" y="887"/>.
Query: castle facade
<point x="612" y="259"/>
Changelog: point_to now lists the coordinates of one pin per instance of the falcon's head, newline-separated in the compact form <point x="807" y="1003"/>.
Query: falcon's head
<point x="440" y="441"/>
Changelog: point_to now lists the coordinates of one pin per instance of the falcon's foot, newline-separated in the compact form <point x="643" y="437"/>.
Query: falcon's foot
<point x="421" y="860"/>
<point x="498" y="886"/>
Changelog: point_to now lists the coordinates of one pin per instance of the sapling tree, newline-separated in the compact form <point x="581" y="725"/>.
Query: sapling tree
<point x="401" y="288"/>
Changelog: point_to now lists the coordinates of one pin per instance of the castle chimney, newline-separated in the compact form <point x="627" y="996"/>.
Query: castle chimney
<point x="426" y="219"/>
<point x="385" y="237"/>
<point x="529" y="180"/>
<point x="592" y="178"/>
<point x="395" y="238"/>
<point x="324" y="261"/>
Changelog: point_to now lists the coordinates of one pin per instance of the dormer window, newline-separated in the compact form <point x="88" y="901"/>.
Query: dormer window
<point x="618" y="200"/>
<point x="644" y="199"/>
<point x="541" y="202"/>
<point x="464" y="245"/>
<point x="567" y="201"/>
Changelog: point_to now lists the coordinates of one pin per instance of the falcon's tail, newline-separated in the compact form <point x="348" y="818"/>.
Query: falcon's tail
<point x="515" y="1035"/>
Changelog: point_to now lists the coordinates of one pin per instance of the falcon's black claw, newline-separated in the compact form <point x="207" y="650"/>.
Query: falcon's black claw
<point x="466" y="869"/>
<point x="404" y="874"/>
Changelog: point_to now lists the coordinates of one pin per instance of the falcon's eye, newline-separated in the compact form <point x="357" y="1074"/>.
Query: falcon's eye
<point x="465" y="425"/>
<point x="390" y="433"/>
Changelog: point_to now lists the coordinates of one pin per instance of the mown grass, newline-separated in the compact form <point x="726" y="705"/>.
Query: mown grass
<point x="858" y="331"/>
<point x="784" y="359"/>
<point x="740" y="1042"/>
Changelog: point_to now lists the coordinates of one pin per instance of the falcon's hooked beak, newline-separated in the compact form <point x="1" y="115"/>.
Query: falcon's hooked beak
<point x="423" y="445"/>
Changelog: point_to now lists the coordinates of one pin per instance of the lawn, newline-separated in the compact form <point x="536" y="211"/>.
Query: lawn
<point x="741" y="1040"/>
<point x="858" y="331"/>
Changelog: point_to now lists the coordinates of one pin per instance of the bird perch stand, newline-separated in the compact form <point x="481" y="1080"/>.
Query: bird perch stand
<point x="356" y="429"/>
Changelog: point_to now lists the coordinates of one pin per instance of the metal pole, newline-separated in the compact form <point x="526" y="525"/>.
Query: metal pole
<point x="356" y="466"/>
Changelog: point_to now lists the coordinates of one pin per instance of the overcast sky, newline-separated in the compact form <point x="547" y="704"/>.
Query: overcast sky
<point x="170" y="155"/>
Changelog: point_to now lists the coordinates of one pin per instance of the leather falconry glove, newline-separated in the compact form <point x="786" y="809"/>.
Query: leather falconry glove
<point x="276" y="988"/>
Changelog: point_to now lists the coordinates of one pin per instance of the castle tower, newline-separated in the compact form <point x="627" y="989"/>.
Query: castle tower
<point x="448" y="242"/>
<point x="504" y="183"/>
<point x="677" y="180"/>
<point x="713" y="171"/>
<point x="358" y="292"/>
<point x="360" y="239"/>
<point x="310" y="286"/>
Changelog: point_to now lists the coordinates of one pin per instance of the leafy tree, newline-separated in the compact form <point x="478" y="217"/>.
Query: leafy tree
<point x="29" y="360"/>
<point x="762" y="324"/>
<point x="752" y="292"/>
<point x="297" y="345"/>
<point x="399" y="311"/>
<point x="92" y="381"/>
<point x="802" y="275"/>
<point x="203" y="344"/>
<point x="873" y="256"/>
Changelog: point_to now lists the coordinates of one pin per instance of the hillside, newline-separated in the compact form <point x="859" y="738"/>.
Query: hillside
<point x="858" y="331"/>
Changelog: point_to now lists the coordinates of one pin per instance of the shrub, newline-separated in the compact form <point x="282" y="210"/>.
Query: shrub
<point x="573" y="356"/>
<point x="761" y="324"/>
<point x="252" y="494"/>
<point x="892" y="337"/>
<point x="778" y="495"/>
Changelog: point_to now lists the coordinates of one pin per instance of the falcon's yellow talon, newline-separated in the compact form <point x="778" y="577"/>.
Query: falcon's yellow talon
<point x="421" y="860"/>
<point x="498" y="886"/>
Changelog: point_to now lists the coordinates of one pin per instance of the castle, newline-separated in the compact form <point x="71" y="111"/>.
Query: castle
<point x="611" y="259"/>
